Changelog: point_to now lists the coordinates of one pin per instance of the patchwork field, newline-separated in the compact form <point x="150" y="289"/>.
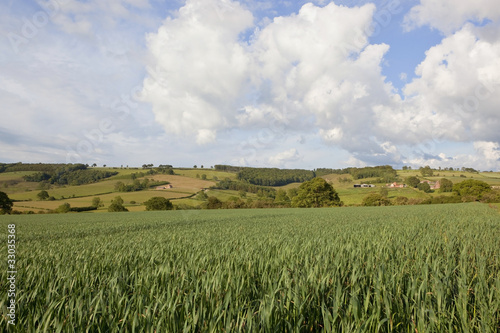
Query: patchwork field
<point x="382" y="269"/>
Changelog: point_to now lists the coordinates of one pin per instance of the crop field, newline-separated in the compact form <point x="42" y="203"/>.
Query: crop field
<point x="382" y="269"/>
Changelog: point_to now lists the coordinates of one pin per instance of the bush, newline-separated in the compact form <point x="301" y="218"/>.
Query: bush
<point x="83" y="209"/>
<point x="412" y="181"/>
<point x="213" y="203"/>
<point x="401" y="201"/>
<point x="424" y="187"/>
<point x="117" y="205"/>
<point x="64" y="208"/>
<point x="316" y="193"/>
<point x="5" y="204"/>
<point x="472" y="188"/>
<point x="446" y="185"/>
<point x="43" y="195"/>
<point x="158" y="203"/>
<point x="114" y="207"/>
<point x="491" y="197"/>
<point x="375" y="200"/>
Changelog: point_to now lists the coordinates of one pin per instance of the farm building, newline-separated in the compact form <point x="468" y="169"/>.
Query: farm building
<point x="433" y="185"/>
<point x="364" y="185"/>
<point x="396" y="185"/>
<point x="164" y="187"/>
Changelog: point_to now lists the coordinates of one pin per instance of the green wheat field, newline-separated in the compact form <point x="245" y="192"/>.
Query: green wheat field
<point x="383" y="269"/>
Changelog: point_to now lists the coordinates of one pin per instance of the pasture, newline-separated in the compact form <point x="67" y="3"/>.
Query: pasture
<point x="382" y="269"/>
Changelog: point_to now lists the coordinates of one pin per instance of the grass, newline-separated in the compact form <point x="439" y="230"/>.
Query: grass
<point x="386" y="269"/>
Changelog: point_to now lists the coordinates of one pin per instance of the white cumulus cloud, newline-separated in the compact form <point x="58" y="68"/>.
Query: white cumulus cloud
<point x="449" y="15"/>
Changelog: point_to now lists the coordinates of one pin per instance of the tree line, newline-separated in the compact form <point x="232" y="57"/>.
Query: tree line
<point x="281" y="177"/>
<point x="70" y="174"/>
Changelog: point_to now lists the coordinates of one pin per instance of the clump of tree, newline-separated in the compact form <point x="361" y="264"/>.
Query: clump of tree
<point x="426" y="171"/>
<point x="64" y="208"/>
<point x="96" y="202"/>
<point x="6" y="204"/>
<point x="70" y="174"/>
<point x="282" y="199"/>
<point x="137" y="185"/>
<point x="274" y="176"/>
<point x="384" y="173"/>
<point x="375" y="199"/>
<point x="202" y="196"/>
<point x="425" y="187"/>
<point x="401" y="201"/>
<point x="471" y="189"/>
<point x="228" y="184"/>
<point x="213" y="203"/>
<point x="117" y="205"/>
<point x="412" y="181"/>
<point x="316" y="193"/>
<point x="43" y="195"/>
<point x="158" y="203"/>
<point x="446" y="185"/>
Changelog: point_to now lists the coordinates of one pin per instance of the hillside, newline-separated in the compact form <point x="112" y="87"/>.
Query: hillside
<point x="186" y="183"/>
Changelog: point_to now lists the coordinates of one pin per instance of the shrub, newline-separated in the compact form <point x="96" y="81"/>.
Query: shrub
<point x="472" y="187"/>
<point x="43" y="195"/>
<point x="401" y="201"/>
<point x="117" y="205"/>
<point x="64" y="208"/>
<point x="158" y="203"/>
<point x="375" y="199"/>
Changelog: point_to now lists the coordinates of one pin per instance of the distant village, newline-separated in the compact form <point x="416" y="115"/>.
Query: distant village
<point x="433" y="185"/>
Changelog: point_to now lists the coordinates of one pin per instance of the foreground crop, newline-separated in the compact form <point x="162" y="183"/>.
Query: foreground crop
<point x="402" y="269"/>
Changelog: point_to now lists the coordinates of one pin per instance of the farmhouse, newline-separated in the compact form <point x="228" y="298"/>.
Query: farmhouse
<point x="396" y="185"/>
<point x="364" y="185"/>
<point x="433" y="185"/>
<point x="164" y="187"/>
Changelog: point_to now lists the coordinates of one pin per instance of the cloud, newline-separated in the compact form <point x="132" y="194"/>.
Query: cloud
<point x="199" y="68"/>
<point x="485" y="156"/>
<point x="285" y="157"/>
<point x="309" y="71"/>
<point x="449" y="16"/>
<point x="455" y="95"/>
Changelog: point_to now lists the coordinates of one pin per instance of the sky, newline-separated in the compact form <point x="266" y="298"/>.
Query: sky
<point x="264" y="83"/>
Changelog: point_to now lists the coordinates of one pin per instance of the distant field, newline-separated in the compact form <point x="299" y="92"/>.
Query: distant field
<point x="185" y="184"/>
<point x="384" y="269"/>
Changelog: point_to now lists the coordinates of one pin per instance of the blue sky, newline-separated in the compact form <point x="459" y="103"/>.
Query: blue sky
<point x="292" y="84"/>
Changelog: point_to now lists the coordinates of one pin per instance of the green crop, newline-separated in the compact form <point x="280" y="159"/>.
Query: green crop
<point x="381" y="269"/>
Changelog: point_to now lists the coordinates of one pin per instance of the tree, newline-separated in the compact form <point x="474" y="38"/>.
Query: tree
<point x="472" y="188"/>
<point x="316" y="193"/>
<point x="203" y="176"/>
<point x="117" y="205"/>
<point x="281" y="198"/>
<point x="96" y="202"/>
<point x="158" y="203"/>
<point x="384" y="192"/>
<point x="64" y="208"/>
<point x="201" y="196"/>
<point x="424" y="187"/>
<point x="426" y="171"/>
<point x="446" y="185"/>
<point x="375" y="199"/>
<point x="5" y="204"/>
<point x="43" y="195"/>
<point x="214" y="203"/>
<point x="412" y="181"/>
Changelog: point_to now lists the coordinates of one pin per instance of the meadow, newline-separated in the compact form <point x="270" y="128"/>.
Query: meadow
<point x="356" y="269"/>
